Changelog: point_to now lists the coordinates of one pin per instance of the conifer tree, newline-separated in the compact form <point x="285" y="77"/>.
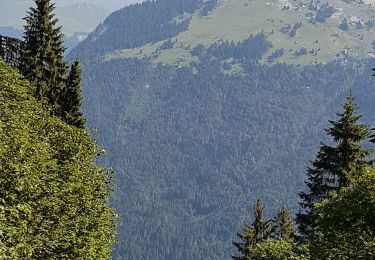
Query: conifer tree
<point x="259" y="231"/>
<point x="71" y="98"/>
<point x="284" y="225"/>
<point x="372" y="137"/>
<point x="43" y="61"/>
<point x="334" y="167"/>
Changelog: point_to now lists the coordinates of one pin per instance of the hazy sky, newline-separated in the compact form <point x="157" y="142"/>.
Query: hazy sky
<point x="12" y="12"/>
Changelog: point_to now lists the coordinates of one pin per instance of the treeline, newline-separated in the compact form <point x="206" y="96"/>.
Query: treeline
<point x="336" y="218"/>
<point x="139" y="24"/>
<point x="250" y="49"/>
<point x="53" y="196"/>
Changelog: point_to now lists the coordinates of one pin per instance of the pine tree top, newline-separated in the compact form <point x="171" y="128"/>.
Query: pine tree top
<point x="346" y="128"/>
<point x="285" y="224"/>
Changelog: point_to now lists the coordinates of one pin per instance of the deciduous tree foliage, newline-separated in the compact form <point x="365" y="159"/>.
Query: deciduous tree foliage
<point x="53" y="198"/>
<point x="346" y="223"/>
<point x="279" y="250"/>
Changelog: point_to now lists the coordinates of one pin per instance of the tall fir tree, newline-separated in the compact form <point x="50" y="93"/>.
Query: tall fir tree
<point x="71" y="97"/>
<point x="43" y="61"/>
<point x="334" y="167"/>
<point x="284" y="225"/>
<point x="255" y="233"/>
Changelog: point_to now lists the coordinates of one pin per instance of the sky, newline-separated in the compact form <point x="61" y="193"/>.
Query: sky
<point x="12" y="12"/>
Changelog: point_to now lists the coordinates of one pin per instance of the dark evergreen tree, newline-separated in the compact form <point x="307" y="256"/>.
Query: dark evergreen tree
<point x="43" y="61"/>
<point x="372" y="137"/>
<point x="72" y="97"/>
<point x="321" y="182"/>
<point x="334" y="167"/>
<point x="284" y="225"/>
<point x="351" y="156"/>
<point x="258" y="231"/>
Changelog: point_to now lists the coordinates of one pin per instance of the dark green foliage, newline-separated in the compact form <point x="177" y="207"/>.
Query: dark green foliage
<point x="273" y="239"/>
<point x="346" y="223"/>
<point x="194" y="146"/>
<point x="54" y="199"/>
<point x="43" y="61"/>
<point x="279" y="250"/>
<point x="71" y="97"/>
<point x="10" y="50"/>
<point x="349" y="135"/>
<point x="260" y="230"/>
<point x="246" y="242"/>
<point x="372" y="137"/>
<point x="284" y="225"/>
<point x="250" y="49"/>
<point x="323" y="13"/>
<point x="334" y="167"/>
<point x="320" y="184"/>
<point x="43" y="64"/>
<point x="178" y="137"/>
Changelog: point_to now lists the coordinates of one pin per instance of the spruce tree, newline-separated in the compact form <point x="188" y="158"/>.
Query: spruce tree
<point x="284" y="225"/>
<point x="43" y="61"/>
<point x="71" y="98"/>
<point x="349" y="135"/>
<point x="335" y="166"/>
<point x="253" y="234"/>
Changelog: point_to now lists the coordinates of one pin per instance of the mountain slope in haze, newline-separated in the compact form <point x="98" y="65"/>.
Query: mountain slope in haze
<point x="199" y="122"/>
<point x="306" y="31"/>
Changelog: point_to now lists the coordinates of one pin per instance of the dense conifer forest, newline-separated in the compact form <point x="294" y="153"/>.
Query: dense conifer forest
<point x="223" y="157"/>
<point x="196" y="145"/>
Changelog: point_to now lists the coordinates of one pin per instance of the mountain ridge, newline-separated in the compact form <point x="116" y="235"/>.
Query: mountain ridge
<point x="344" y="29"/>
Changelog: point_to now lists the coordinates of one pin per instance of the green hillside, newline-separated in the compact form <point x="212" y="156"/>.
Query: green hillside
<point x="293" y="26"/>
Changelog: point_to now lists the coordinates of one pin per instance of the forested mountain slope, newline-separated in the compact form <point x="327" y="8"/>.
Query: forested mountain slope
<point x="199" y="127"/>
<point x="306" y="31"/>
